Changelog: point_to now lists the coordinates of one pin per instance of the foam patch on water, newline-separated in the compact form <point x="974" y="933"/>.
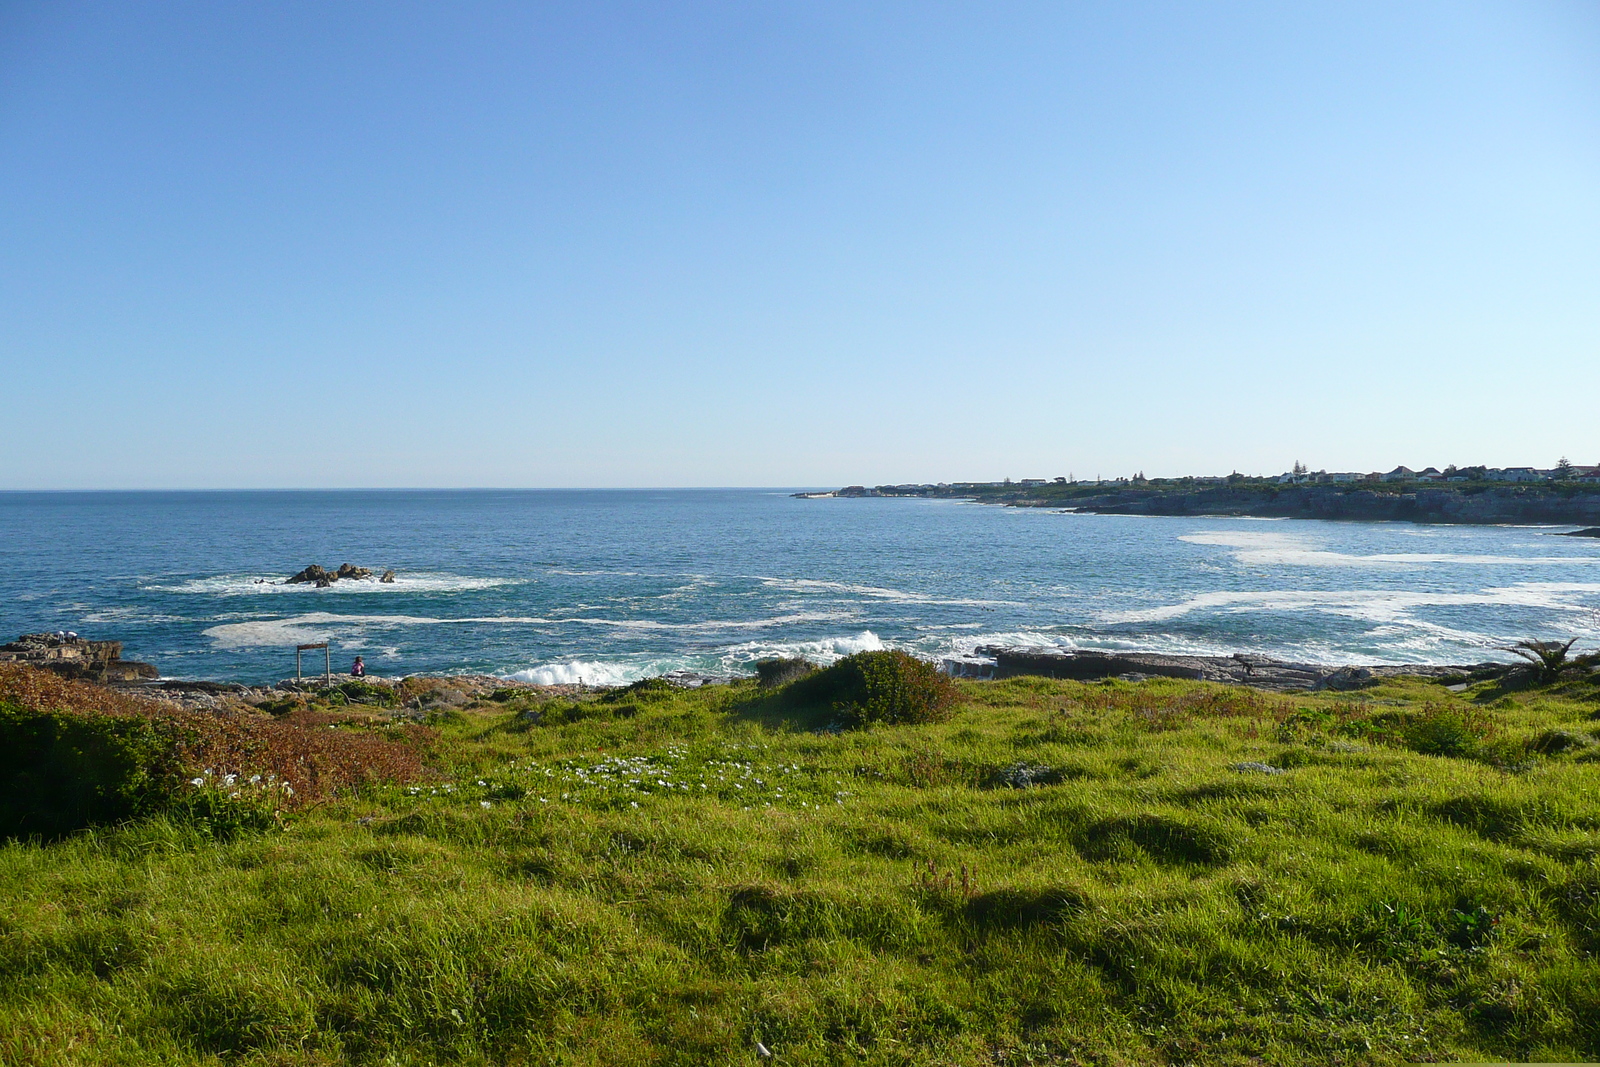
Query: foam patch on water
<point x="581" y="672"/>
<point x="711" y="625"/>
<point x="823" y="650"/>
<point x="317" y="626"/>
<point x="1372" y="605"/>
<point x="274" y="585"/>
<point x="129" y="614"/>
<point x="1261" y="548"/>
<point x="900" y="596"/>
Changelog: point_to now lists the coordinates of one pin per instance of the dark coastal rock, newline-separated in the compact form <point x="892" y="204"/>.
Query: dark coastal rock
<point x="321" y="577"/>
<point x="1593" y="531"/>
<point x="388" y="577"/>
<point x="1260" y="672"/>
<point x="72" y="656"/>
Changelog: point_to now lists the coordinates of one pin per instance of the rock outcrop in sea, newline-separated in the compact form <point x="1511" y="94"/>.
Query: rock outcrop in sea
<point x="321" y="577"/>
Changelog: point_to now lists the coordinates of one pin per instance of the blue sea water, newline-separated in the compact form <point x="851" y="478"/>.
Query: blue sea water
<point x="608" y="586"/>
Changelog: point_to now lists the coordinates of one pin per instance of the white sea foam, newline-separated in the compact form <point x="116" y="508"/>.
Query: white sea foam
<point x="1374" y="605"/>
<point x="814" y="585"/>
<point x="823" y="650"/>
<point x="589" y="672"/>
<point x="1272" y="548"/>
<point x="273" y="585"/>
<point x="129" y="614"/>
<point x="317" y="626"/>
<point x="711" y="625"/>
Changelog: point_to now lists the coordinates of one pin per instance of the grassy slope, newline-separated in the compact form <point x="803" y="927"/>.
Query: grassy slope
<point x="1372" y="904"/>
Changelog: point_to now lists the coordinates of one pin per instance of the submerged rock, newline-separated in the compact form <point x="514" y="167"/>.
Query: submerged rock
<point x="388" y="577"/>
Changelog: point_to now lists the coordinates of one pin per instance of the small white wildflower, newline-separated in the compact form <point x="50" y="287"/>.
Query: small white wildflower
<point x="484" y="804"/>
<point x="635" y="803"/>
<point x="197" y="781"/>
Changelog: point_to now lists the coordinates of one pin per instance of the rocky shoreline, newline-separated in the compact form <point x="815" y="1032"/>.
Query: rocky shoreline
<point x="100" y="662"/>
<point x="1257" y="672"/>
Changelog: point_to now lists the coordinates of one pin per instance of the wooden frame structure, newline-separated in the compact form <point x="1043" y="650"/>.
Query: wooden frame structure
<point x="327" y="661"/>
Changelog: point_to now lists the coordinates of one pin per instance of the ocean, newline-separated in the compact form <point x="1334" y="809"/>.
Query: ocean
<point x="606" y="586"/>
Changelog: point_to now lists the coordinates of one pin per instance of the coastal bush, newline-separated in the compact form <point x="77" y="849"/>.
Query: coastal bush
<point x="75" y="755"/>
<point x="60" y="772"/>
<point x="889" y="687"/>
<point x="773" y="673"/>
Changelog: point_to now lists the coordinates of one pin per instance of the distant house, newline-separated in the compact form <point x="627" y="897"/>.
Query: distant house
<point x="1523" y="474"/>
<point x="1034" y="481"/>
<point x="1342" y="476"/>
<point x="1399" y="474"/>
<point x="1588" y="475"/>
<point x="1431" y="474"/>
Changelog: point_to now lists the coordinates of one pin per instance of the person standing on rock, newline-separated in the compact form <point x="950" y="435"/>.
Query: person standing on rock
<point x="358" y="669"/>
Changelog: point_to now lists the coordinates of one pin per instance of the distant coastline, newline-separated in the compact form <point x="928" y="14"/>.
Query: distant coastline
<point x="1558" y="503"/>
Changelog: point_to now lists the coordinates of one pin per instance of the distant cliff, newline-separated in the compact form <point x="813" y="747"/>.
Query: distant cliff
<point x="1554" y="504"/>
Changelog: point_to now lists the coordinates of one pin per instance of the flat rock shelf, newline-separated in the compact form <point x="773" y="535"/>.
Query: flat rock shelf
<point x="1260" y="672"/>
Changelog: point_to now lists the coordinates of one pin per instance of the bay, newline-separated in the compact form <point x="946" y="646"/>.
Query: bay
<point x="611" y="585"/>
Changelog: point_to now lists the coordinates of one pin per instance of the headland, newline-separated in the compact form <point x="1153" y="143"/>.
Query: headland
<point x="1552" y="502"/>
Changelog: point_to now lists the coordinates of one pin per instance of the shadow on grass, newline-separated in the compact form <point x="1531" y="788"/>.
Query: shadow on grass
<point x="785" y="710"/>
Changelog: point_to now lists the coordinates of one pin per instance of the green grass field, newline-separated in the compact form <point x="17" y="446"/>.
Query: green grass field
<point x="1061" y="873"/>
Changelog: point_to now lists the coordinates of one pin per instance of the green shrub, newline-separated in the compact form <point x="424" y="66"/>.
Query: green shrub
<point x="61" y="772"/>
<point x="772" y="673"/>
<point x="890" y="687"/>
<point x="1443" y="730"/>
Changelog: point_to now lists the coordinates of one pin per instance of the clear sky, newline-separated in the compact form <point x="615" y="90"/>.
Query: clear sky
<point x="602" y="244"/>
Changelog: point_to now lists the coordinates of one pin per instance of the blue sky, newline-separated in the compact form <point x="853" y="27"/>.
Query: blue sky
<point x="598" y="244"/>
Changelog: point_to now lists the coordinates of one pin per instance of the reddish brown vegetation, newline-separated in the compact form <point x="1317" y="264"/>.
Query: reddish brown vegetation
<point x="1159" y="710"/>
<point x="310" y="751"/>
